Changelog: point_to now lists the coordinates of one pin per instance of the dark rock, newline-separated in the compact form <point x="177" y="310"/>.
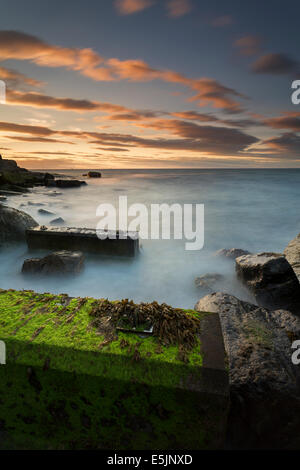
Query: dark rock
<point x="45" y="212"/>
<point x="35" y="203"/>
<point x="54" y="194"/>
<point x="232" y="253"/>
<point x="14" y="178"/>
<point x="69" y="183"/>
<point x="94" y="174"/>
<point x="13" y="224"/>
<point x="57" y="221"/>
<point x="58" y="262"/>
<point x="292" y="254"/>
<point x="50" y="183"/>
<point x="264" y="383"/>
<point x="271" y="280"/>
<point x="207" y="281"/>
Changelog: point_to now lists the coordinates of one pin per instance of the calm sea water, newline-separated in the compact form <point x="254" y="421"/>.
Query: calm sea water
<point x="256" y="210"/>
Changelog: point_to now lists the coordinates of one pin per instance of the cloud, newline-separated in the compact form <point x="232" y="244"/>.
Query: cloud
<point x="177" y="8"/>
<point x="16" y="79"/>
<point x="21" y="46"/>
<point x="276" y="64"/>
<point x="210" y="137"/>
<point x="289" y="121"/>
<point x="248" y="45"/>
<point x="287" y="144"/>
<point x="113" y="149"/>
<point x="219" y="96"/>
<point x="190" y="137"/>
<point x="128" y="7"/>
<point x="221" y="21"/>
<point x="25" y="129"/>
<point x="39" y="100"/>
<point x="41" y="140"/>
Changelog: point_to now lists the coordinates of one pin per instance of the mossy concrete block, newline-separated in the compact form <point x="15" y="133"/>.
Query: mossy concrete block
<point x="83" y="239"/>
<point x="65" y="387"/>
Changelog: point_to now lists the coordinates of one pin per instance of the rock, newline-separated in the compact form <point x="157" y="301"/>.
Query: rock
<point x="3" y="198"/>
<point x="50" y="183"/>
<point x="64" y="262"/>
<point x="35" y="203"/>
<point x="57" y="221"/>
<point x="207" y="281"/>
<point x="14" y="224"/>
<point x="14" y="178"/>
<point x="271" y="280"/>
<point x="45" y="212"/>
<point x="292" y="254"/>
<point x="54" y="194"/>
<point x="69" y="183"/>
<point x="231" y="253"/>
<point x="94" y="174"/>
<point x="264" y="383"/>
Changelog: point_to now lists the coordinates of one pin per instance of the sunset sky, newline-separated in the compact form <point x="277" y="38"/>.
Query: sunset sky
<point x="150" y="83"/>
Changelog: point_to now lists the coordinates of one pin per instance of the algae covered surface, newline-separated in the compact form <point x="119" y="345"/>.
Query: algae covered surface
<point x="63" y="331"/>
<point x="74" y="378"/>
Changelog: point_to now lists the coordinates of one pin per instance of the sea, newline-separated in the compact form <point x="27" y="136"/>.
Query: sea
<point x="252" y="209"/>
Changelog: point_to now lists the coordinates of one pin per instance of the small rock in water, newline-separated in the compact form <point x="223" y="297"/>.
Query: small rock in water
<point x="207" y="281"/>
<point x="58" y="221"/>
<point x="54" y="193"/>
<point x="94" y="174"/>
<point x="45" y="212"/>
<point x="271" y="279"/>
<point x="64" y="262"/>
<point x="232" y="253"/>
<point x="35" y="203"/>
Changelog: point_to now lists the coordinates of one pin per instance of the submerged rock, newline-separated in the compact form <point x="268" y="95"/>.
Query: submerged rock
<point x="264" y="383"/>
<point x="292" y="254"/>
<point x="271" y="280"/>
<point x="207" y="281"/>
<point x="69" y="183"/>
<point x="13" y="224"/>
<point x="64" y="262"/>
<point x="45" y="212"/>
<point x="57" y="221"/>
<point x="231" y="253"/>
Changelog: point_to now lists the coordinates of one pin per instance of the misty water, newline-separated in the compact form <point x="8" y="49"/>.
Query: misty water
<point x="257" y="210"/>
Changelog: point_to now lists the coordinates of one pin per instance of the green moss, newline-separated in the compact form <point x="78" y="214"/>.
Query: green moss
<point x="36" y="326"/>
<point x="64" y="386"/>
<point x="257" y="332"/>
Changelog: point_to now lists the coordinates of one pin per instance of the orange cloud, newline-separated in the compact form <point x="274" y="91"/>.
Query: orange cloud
<point x="128" y="7"/>
<point x="177" y="8"/>
<point x="39" y="100"/>
<point x="16" y="79"/>
<point x="248" y="45"/>
<point x="16" y="45"/>
<point x="192" y="137"/>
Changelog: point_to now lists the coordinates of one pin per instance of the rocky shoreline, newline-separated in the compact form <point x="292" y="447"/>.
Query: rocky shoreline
<point x="14" y="179"/>
<point x="258" y="335"/>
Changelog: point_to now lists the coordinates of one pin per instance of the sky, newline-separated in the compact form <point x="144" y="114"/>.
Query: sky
<point x="150" y="83"/>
